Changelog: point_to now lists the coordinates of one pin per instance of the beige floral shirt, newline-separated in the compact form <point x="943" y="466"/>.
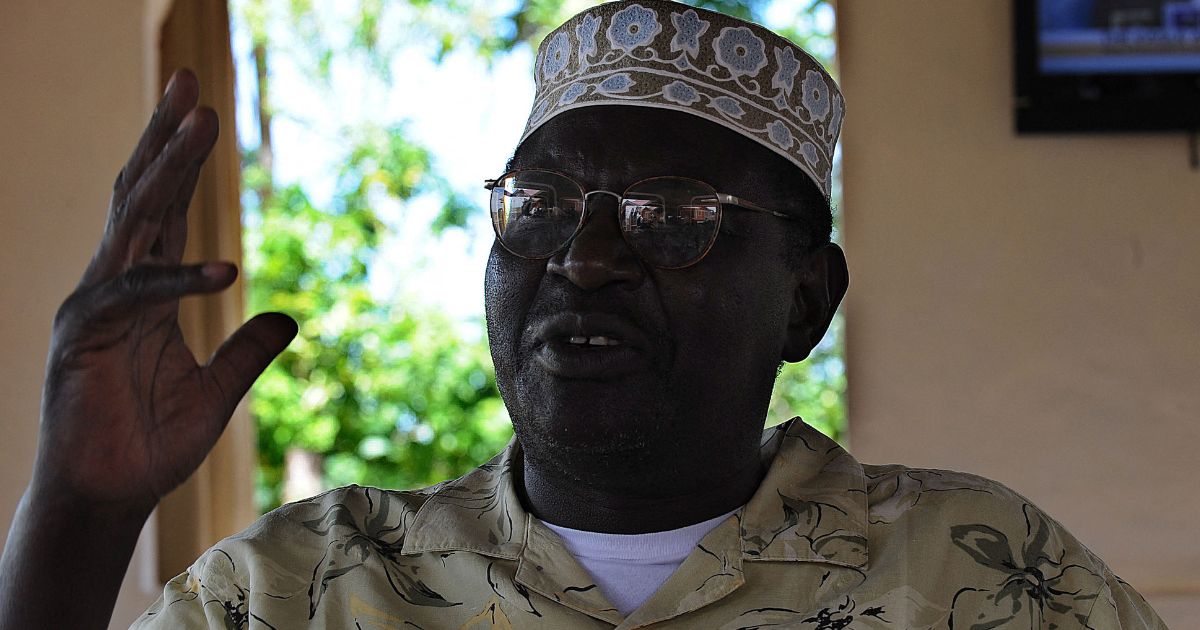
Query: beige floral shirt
<point x="826" y="543"/>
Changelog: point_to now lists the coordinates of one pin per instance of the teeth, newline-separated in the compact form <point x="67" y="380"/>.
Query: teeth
<point x="598" y="340"/>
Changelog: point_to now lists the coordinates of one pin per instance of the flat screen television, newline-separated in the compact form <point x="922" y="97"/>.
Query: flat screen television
<point x="1107" y="65"/>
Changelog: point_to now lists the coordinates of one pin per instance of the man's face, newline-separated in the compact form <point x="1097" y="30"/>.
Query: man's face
<point x="697" y="348"/>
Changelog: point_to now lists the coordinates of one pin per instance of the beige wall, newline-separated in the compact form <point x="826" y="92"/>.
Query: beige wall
<point x="76" y="92"/>
<point x="1026" y="308"/>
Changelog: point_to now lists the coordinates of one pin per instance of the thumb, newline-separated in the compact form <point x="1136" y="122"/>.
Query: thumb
<point x="248" y="351"/>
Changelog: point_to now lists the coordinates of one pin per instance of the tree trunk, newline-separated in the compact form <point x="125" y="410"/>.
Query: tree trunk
<point x="302" y="474"/>
<point x="302" y="469"/>
<point x="266" y="154"/>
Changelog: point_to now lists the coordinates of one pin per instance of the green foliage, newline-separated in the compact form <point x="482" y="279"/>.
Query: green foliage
<point x="387" y="393"/>
<point x="391" y="394"/>
<point x="814" y="389"/>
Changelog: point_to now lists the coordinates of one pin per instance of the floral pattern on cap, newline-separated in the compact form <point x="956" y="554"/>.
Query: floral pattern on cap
<point x="633" y="27"/>
<point x="740" y="51"/>
<point x="664" y="54"/>
<point x="688" y="29"/>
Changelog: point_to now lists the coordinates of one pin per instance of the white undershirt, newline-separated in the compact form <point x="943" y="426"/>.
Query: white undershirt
<point x="628" y="568"/>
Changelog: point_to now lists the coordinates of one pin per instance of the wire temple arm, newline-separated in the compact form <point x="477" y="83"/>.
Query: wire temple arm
<point x="749" y="205"/>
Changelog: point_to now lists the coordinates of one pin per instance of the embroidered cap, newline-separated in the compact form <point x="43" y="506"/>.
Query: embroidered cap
<point x="657" y="53"/>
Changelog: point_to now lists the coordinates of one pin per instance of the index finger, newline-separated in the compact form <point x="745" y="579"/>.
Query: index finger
<point x="180" y="97"/>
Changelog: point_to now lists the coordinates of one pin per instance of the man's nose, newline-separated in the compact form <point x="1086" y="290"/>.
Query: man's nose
<point x="598" y="256"/>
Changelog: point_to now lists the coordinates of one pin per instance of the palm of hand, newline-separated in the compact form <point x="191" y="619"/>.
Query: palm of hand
<point x="151" y="414"/>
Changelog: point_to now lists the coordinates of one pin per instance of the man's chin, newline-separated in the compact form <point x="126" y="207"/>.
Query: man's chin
<point x="619" y="415"/>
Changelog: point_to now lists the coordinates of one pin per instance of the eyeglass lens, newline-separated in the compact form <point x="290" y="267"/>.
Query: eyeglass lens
<point x="670" y="222"/>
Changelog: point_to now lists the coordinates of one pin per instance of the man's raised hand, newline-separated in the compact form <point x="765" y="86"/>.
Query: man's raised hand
<point x="127" y="412"/>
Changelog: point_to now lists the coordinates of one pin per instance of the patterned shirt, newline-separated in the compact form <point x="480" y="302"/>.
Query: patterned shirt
<point x="825" y="543"/>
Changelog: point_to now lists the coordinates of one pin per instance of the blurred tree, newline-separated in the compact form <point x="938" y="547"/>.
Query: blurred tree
<point x="370" y="392"/>
<point x="391" y="393"/>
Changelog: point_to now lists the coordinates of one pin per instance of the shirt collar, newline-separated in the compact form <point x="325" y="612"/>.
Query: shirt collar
<point x="477" y="512"/>
<point x="810" y="506"/>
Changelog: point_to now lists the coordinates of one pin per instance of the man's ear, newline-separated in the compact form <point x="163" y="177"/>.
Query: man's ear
<point x="821" y="284"/>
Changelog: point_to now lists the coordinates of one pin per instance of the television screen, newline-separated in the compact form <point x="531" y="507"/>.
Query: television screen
<point x="1119" y="36"/>
<point x="1107" y="65"/>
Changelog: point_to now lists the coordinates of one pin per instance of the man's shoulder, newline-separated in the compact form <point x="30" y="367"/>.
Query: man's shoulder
<point x="965" y="518"/>
<point x="283" y="550"/>
<point x="351" y="499"/>
<point x="976" y="533"/>
<point x="287" y="541"/>
<point x="368" y="509"/>
<point x="896" y="492"/>
<point x="285" y="559"/>
<point x="890" y="480"/>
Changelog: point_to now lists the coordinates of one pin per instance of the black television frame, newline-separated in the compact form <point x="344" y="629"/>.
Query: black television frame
<point x="1095" y="102"/>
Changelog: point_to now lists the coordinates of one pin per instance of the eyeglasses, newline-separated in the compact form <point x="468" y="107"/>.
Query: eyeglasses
<point x="669" y="222"/>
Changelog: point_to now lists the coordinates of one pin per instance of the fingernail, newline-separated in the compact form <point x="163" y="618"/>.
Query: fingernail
<point x="187" y="123"/>
<point x="215" y="271"/>
<point x="170" y="84"/>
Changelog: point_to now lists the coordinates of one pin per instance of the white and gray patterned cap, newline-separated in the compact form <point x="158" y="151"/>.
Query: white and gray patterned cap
<point x="657" y="53"/>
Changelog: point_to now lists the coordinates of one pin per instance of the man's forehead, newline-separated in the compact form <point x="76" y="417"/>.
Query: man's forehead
<point x="611" y="147"/>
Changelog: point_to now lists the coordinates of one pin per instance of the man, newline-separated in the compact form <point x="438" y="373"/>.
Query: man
<point x="662" y="244"/>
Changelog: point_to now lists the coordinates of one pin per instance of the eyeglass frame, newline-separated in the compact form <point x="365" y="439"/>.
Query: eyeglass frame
<point x="723" y="199"/>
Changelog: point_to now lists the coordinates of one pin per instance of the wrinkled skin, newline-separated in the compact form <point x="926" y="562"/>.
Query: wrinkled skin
<point x="673" y="439"/>
<point x="127" y="411"/>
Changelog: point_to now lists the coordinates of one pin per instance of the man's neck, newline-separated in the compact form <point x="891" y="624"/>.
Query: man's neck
<point x="670" y="497"/>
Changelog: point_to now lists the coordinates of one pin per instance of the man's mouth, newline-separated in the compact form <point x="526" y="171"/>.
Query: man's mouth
<point x="587" y="329"/>
<point x="598" y="340"/>
<point x="592" y="346"/>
